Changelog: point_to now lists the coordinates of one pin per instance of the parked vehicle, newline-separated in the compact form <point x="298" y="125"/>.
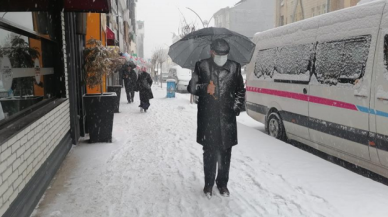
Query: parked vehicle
<point x="182" y="77"/>
<point x="324" y="82"/>
<point x="244" y="75"/>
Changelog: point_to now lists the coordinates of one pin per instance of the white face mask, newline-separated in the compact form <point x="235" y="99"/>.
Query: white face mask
<point x="220" y="60"/>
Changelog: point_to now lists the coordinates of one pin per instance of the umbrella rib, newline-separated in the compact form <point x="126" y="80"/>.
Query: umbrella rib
<point x="180" y="53"/>
<point x="192" y="54"/>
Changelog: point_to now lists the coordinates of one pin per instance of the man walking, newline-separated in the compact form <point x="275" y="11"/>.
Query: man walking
<point x="219" y="85"/>
<point x="130" y="78"/>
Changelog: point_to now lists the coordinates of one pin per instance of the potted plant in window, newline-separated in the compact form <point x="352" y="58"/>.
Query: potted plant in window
<point x="20" y="55"/>
<point x="100" y="61"/>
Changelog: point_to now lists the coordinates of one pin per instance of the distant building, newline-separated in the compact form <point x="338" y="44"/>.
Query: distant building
<point x="140" y="38"/>
<point x="289" y="11"/>
<point x="247" y="17"/>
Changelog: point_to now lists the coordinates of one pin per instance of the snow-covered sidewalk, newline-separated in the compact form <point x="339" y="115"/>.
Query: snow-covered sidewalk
<point x="154" y="168"/>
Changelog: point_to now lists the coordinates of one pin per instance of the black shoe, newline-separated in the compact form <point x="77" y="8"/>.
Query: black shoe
<point x="208" y="191"/>
<point x="224" y="191"/>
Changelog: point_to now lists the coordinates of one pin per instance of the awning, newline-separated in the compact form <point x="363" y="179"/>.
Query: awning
<point x="97" y="6"/>
<point x="110" y="37"/>
<point x="109" y="33"/>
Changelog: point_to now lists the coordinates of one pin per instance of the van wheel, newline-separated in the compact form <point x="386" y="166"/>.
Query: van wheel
<point x="276" y="127"/>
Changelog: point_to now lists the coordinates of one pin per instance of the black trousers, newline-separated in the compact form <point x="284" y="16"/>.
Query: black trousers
<point x="213" y="157"/>
<point x="130" y="94"/>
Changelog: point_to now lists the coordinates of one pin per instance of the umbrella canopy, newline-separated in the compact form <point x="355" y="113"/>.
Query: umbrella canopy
<point x="131" y="64"/>
<point x="196" y="46"/>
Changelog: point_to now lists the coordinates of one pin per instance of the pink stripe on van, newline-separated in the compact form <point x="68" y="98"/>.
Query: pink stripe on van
<point x="303" y="97"/>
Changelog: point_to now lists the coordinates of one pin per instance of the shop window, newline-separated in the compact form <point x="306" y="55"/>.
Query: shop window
<point x="26" y="68"/>
<point x="265" y="63"/>
<point x="23" y="19"/>
<point x="342" y="61"/>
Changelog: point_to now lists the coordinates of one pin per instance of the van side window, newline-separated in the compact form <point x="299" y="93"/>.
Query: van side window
<point x="265" y="63"/>
<point x="294" y="62"/>
<point x="342" y="61"/>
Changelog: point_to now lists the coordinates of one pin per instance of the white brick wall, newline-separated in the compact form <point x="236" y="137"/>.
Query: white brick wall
<point x="23" y="154"/>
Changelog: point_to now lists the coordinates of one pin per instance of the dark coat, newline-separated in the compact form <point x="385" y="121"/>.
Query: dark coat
<point x="144" y="83"/>
<point x="130" y="78"/>
<point x="216" y="120"/>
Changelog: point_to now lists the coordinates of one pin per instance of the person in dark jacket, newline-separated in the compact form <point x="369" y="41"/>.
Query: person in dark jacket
<point x="219" y="85"/>
<point x="144" y="83"/>
<point x="130" y="78"/>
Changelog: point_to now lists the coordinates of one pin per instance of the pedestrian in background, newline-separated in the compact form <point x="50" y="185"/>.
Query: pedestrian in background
<point x="144" y="83"/>
<point x="218" y="83"/>
<point x="130" y="78"/>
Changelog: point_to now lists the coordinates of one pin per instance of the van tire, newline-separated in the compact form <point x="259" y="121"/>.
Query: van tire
<point x="275" y="127"/>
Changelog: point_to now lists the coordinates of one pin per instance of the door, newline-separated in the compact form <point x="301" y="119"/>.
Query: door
<point x="76" y="90"/>
<point x="381" y="99"/>
<point x="340" y="95"/>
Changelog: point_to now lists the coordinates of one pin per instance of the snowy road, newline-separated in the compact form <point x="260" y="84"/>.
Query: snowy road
<point x="154" y="168"/>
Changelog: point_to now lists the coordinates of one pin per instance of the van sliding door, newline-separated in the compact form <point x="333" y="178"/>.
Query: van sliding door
<point x="340" y="94"/>
<point x="381" y="99"/>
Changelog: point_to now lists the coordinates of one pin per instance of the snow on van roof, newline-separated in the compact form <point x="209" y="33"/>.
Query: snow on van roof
<point x="305" y="31"/>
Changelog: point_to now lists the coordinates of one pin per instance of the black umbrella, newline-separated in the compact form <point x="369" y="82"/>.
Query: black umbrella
<point x="131" y="64"/>
<point x="196" y="46"/>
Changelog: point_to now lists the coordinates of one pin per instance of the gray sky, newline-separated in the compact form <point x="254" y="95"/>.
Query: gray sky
<point x="162" y="17"/>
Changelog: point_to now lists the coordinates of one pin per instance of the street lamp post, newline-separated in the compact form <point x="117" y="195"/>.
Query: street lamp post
<point x="205" y="23"/>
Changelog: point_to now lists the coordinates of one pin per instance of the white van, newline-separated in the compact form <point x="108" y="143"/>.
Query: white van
<point x="324" y="82"/>
<point x="182" y="77"/>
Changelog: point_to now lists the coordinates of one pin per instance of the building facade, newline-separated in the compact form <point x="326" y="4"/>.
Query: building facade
<point x="140" y="38"/>
<point x="247" y="17"/>
<point x="40" y="94"/>
<point x="121" y="25"/>
<point x="289" y="11"/>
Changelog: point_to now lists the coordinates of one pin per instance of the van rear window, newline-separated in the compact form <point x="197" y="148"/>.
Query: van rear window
<point x="265" y="63"/>
<point x="342" y="61"/>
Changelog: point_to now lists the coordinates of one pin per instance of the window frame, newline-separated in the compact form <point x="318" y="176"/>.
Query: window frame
<point x="22" y="119"/>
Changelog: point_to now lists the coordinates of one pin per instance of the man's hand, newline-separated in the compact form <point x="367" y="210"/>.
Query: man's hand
<point x="211" y="88"/>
